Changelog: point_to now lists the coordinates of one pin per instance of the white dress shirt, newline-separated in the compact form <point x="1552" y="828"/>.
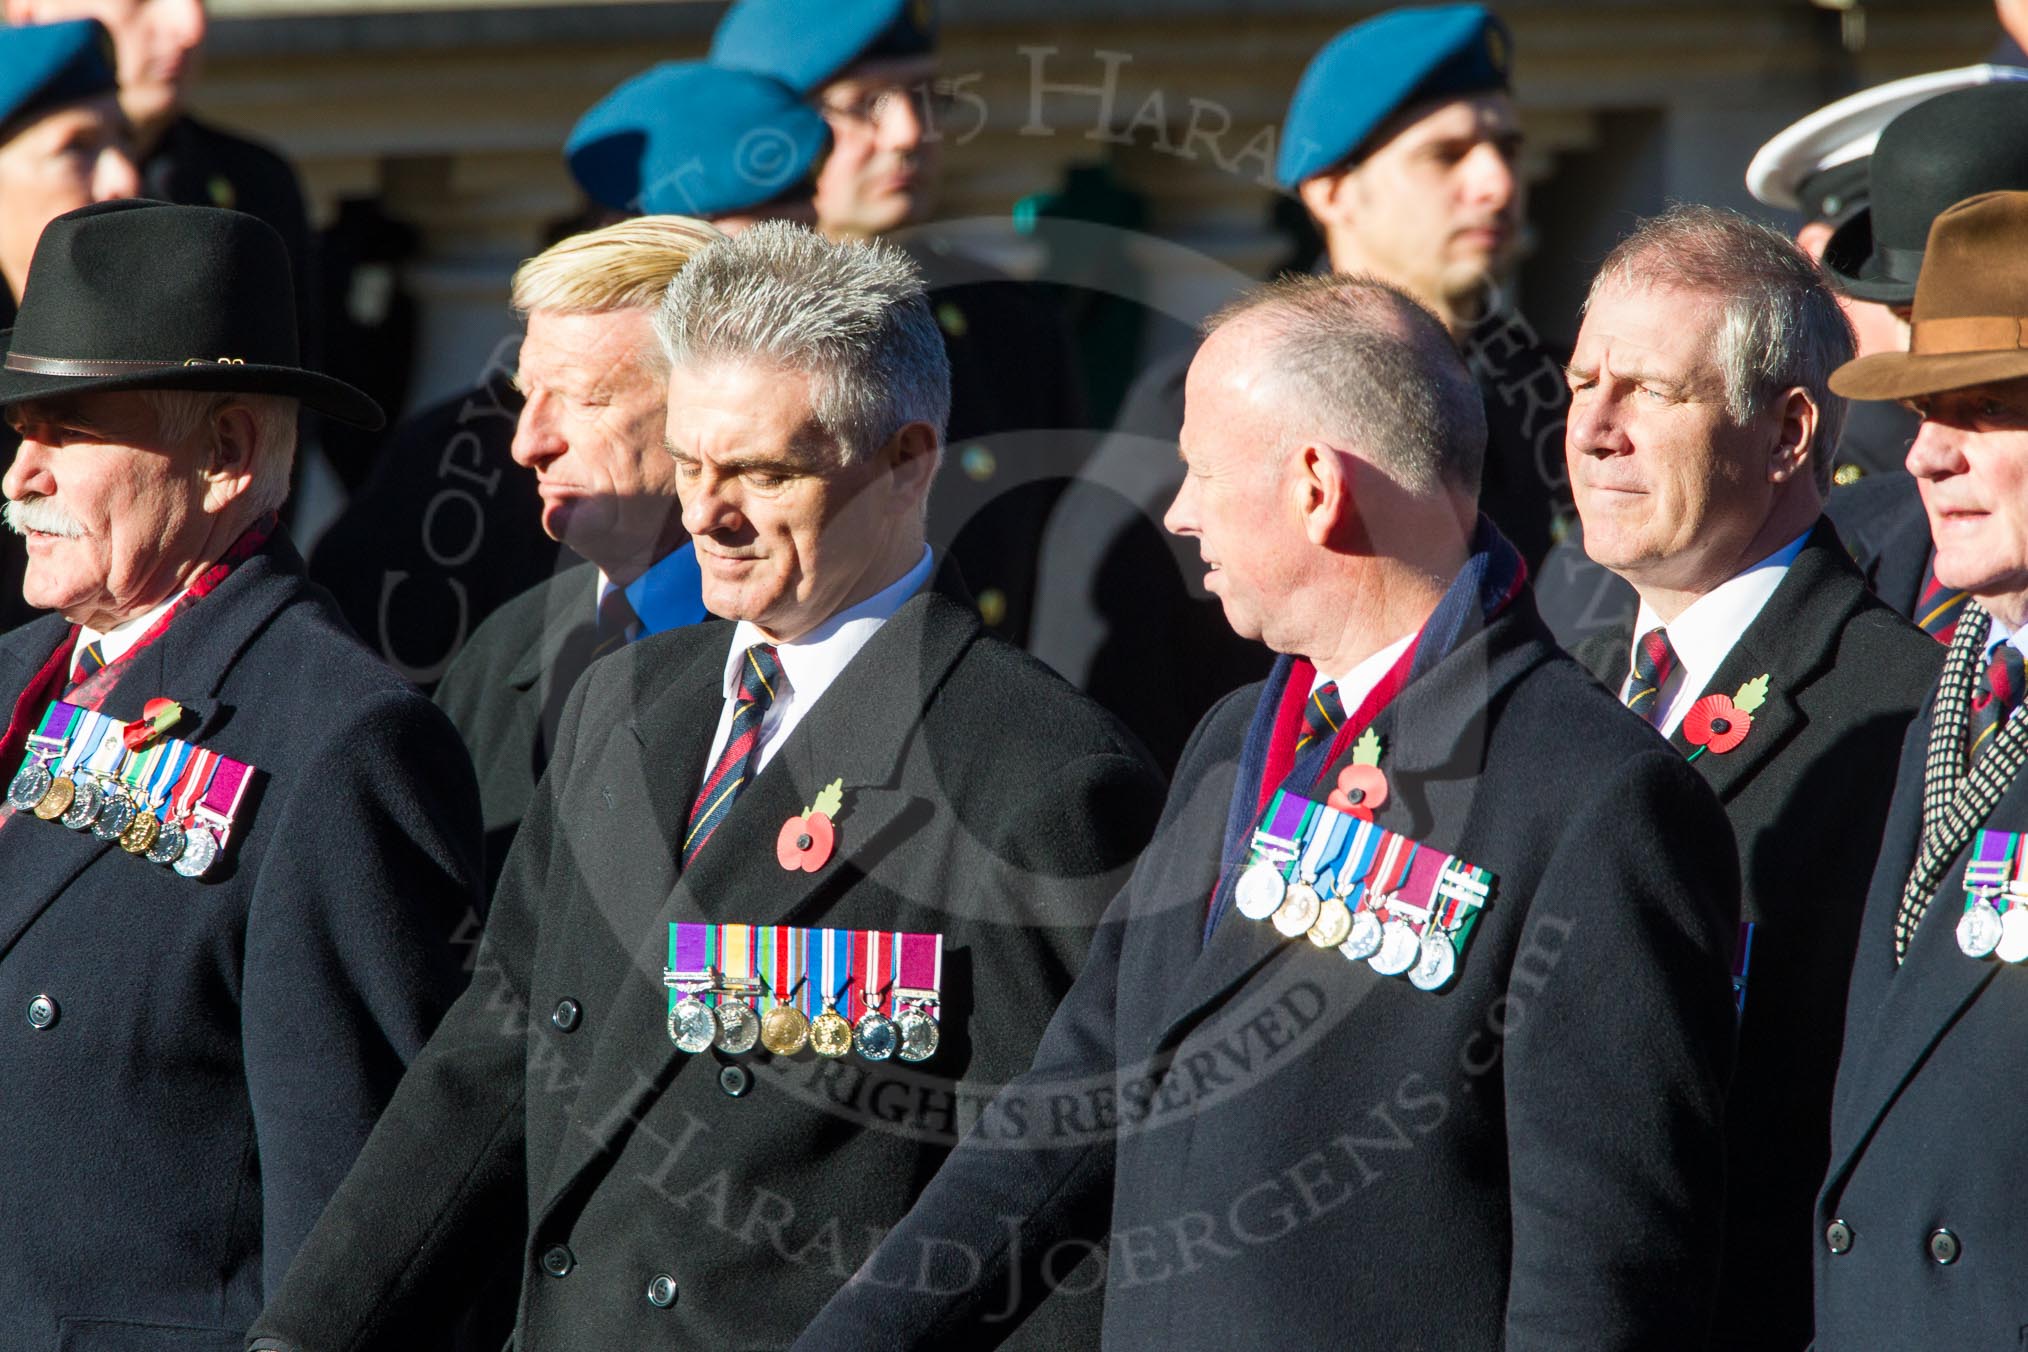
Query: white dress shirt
<point x="1704" y="633"/>
<point x="811" y="663"/>
<point x="116" y="642"/>
<point x="1355" y="685"/>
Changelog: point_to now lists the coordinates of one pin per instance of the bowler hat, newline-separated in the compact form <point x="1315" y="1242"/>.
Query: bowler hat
<point x="1970" y="325"/>
<point x="134" y="295"/>
<point x="1943" y="150"/>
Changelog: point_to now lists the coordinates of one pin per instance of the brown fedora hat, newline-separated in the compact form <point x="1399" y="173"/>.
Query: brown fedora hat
<point x="1970" y="325"/>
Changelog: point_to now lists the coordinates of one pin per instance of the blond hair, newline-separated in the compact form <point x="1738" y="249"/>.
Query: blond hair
<point x="621" y="267"/>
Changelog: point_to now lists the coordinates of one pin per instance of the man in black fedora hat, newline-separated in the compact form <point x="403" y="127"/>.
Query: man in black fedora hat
<point x="236" y="847"/>
<point x="1938" y="153"/>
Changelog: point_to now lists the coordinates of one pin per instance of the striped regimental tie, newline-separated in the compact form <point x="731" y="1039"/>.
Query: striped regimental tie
<point x="1654" y="660"/>
<point x="760" y="683"/>
<point x="1322" y="716"/>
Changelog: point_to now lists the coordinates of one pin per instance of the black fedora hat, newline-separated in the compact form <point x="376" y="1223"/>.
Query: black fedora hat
<point x="1938" y="153"/>
<point x="134" y="295"/>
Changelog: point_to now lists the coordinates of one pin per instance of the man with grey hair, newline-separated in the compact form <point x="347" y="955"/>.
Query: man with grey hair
<point x="1350" y="1064"/>
<point x="842" y="847"/>
<point x="1700" y="439"/>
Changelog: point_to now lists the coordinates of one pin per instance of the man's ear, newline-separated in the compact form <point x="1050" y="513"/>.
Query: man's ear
<point x="1323" y="491"/>
<point x="1327" y="197"/>
<point x="1795" y="437"/>
<point x="911" y="456"/>
<point x="233" y="458"/>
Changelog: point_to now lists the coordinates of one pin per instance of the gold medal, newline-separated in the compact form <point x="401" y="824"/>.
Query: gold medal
<point x="57" y="801"/>
<point x="1334" y="923"/>
<point x="830" y="1035"/>
<point x="785" y="1030"/>
<point x="140" y="834"/>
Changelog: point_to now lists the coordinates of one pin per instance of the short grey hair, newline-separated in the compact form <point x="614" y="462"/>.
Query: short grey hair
<point x="1370" y="366"/>
<point x="1781" y="328"/>
<point x="184" y="416"/>
<point x="855" y="317"/>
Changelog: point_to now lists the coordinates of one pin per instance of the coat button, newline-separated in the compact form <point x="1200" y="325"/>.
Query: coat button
<point x="557" y="1261"/>
<point x="42" y="1012"/>
<point x="565" y="1015"/>
<point x="662" y="1291"/>
<point x="1838" y="1236"/>
<point x="1943" y="1247"/>
<point x="735" y="1080"/>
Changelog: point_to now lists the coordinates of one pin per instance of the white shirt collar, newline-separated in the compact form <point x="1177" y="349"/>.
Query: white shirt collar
<point x="116" y="642"/>
<point x="813" y="661"/>
<point x="1704" y="633"/>
<point x="1355" y="685"/>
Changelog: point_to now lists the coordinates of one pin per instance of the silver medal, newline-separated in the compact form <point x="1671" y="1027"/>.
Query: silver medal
<point x="2013" y="945"/>
<point x="738" y="1026"/>
<point x="1980" y="929"/>
<point x="874" y="1037"/>
<point x="692" y="1025"/>
<point x="114" y="818"/>
<point x="1438" y="960"/>
<point x="29" y="785"/>
<point x="1260" y="890"/>
<point x="919" y="1034"/>
<point x="200" y="852"/>
<point x="1298" y="910"/>
<point x="1365" y="939"/>
<point x="168" y="846"/>
<point x="84" y="807"/>
<point x="1399" y="949"/>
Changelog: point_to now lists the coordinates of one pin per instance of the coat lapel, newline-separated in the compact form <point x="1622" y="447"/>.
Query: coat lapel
<point x="859" y="731"/>
<point x="1433" y="731"/>
<point x="189" y="664"/>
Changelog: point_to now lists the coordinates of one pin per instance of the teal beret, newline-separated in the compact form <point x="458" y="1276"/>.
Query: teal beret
<point x="1374" y="69"/>
<point x="690" y="139"/>
<point x="804" y="43"/>
<point x="44" y="66"/>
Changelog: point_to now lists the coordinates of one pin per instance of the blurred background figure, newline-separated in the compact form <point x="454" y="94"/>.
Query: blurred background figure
<point x="685" y="139"/>
<point x="64" y="143"/>
<point x="1400" y="142"/>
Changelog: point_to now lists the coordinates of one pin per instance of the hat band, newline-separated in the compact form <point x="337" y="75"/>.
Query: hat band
<point x="65" y="366"/>
<point x="1973" y="333"/>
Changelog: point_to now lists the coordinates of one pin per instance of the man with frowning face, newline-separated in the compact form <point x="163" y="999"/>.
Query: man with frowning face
<point x="1275" y="1109"/>
<point x="1402" y="143"/>
<point x="1700" y="439"/>
<point x="237" y="847"/>
<point x="965" y="793"/>
<point x="1919" y="1201"/>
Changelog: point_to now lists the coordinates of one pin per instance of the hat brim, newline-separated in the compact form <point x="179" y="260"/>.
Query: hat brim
<point x="1854" y="266"/>
<point x="326" y="394"/>
<point x="1904" y="375"/>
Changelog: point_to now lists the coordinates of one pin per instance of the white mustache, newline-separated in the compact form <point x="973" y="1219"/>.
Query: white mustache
<point x="41" y="516"/>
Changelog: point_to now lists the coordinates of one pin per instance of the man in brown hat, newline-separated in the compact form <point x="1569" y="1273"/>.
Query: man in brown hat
<point x="1927" y="1141"/>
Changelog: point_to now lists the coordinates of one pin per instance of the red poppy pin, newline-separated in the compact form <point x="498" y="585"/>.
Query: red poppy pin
<point x="1362" y="788"/>
<point x="1719" y="723"/>
<point x="157" y="717"/>
<point x="806" y="842"/>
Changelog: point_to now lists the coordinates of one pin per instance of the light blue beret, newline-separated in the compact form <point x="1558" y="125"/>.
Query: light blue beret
<point x="44" y="66"/>
<point x="804" y="43"/>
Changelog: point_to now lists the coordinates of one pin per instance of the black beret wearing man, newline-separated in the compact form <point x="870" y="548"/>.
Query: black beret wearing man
<point x="1400" y="141"/>
<point x="1412" y="1026"/>
<point x="1701" y="424"/>
<point x="796" y="892"/>
<point x="1954" y="146"/>
<point x="237" y="847"/>
<point x="1919" y="1226"/>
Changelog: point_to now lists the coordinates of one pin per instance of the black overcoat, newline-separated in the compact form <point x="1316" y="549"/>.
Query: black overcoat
<point x="1283" y="1149"/>
<point x="1807" y="793"/>
<point x="1929" y="1141"/>
<point x="1882" y="522"/>
<point x="222" y="1046"/>
<point x="552" y="1119"/>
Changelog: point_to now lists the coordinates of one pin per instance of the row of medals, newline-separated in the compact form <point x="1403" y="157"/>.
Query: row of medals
<point x="97" y="805"/>
<point x="734" y="1027"/>
<point x="1389" y="947"/>
<point x="1983" y="930"/>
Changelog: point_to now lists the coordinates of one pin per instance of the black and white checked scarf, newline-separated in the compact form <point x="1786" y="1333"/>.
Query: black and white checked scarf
<point x="1954" y="803"/>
